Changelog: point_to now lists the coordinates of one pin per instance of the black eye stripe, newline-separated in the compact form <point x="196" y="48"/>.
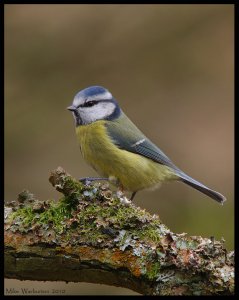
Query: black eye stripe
<point x="89" y="103"/>
<point x="93" y="102"/>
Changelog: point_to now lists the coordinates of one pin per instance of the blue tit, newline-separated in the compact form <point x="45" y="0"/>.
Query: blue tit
<point x="111" y="143"/>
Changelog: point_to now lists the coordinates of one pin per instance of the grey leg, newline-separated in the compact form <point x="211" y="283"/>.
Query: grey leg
<point x="132" y="196"/>
<point x="89" y="179"/>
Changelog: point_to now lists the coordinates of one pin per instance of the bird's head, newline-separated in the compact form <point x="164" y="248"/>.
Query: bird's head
<point x="92" y="104"/>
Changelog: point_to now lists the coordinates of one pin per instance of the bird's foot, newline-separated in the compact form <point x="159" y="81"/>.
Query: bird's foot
<point x="88" y="180"/>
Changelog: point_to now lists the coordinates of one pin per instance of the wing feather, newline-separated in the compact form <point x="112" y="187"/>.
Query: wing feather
<point x="128" y="137"/>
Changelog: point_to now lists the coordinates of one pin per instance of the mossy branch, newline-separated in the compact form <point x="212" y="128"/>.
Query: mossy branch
<point x="92" y="235"/>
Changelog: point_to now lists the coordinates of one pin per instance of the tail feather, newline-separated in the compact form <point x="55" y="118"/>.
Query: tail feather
<point x="202" y="188"/>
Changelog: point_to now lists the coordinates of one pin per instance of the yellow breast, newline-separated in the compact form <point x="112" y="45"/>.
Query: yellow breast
<point x="133" y="172"/>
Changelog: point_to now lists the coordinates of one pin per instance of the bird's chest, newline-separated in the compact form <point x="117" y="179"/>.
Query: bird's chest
<point x="96" y="146"/>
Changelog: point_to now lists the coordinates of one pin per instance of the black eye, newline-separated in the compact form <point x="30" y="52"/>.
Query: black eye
<point x="89" y="104"/>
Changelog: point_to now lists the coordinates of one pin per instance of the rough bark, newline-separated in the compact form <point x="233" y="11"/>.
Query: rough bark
<point x="94" y="235"/>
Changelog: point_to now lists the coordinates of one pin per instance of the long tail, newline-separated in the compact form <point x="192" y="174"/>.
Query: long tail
<point x="202" y="188"/>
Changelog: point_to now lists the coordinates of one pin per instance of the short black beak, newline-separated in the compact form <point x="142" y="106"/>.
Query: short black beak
<point x="72" y="108"/>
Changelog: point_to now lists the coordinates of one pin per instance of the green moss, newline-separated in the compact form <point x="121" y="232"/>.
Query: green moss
<point x="54" y="214"/>
<point x="24" y="215"/>
<point x="92" y="220"/>
<point x="85" y="215"/>
<point x="150" y="233"/>
<point x="74" y="186"/>
<point x="153" y="271"/>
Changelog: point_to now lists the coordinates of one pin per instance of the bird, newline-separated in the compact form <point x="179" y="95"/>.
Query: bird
<point x="118" y="151"/>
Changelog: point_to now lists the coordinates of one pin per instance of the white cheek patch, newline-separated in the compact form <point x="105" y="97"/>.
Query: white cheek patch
<point x="100" y="111"/>
<point x="105" y="109"/>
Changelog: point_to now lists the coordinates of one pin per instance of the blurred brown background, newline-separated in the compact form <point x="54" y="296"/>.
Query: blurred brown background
<point x="171" y="69"/>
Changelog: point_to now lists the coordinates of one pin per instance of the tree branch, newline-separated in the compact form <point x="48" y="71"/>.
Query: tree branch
<point x="93" y="235"/>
